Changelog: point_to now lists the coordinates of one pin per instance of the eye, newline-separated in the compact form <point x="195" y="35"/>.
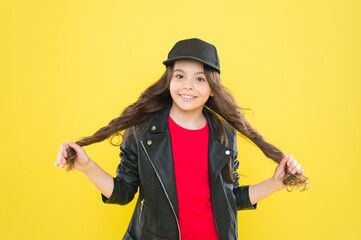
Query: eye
<point x="179" y="76"/>
<point x="201" y="79"/>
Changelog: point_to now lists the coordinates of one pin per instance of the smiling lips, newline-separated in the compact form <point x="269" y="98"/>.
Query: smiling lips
<point x="187" y="97"/>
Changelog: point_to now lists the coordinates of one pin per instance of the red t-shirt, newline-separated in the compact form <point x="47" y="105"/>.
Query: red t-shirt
<point x="190" y="154"/>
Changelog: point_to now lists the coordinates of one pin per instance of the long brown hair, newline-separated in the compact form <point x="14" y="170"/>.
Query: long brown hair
<point x="221" y="104"/>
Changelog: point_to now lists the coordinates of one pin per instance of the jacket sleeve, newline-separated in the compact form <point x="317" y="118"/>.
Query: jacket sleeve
<point x="240" y="192"/>
<point x="126" y="181"/>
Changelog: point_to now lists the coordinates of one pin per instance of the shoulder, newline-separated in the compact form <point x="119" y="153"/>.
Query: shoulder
<point x="157" y="120"/>
<point x="219" y="127"/>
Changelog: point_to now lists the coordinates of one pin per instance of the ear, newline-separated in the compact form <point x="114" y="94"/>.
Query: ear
<point x="212" y="94"/>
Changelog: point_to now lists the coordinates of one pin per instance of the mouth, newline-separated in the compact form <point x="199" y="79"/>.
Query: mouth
<point x="187" y="97"/>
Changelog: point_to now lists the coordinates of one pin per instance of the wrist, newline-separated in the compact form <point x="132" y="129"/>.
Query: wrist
<point x="87" y="167"/>
<point x="277" y="184"/>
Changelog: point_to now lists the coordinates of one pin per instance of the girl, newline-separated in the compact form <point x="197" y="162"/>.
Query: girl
<point x="179" y="150"/>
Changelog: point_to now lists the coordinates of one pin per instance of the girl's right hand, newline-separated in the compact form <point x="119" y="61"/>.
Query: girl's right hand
<point x="81" y="161"/>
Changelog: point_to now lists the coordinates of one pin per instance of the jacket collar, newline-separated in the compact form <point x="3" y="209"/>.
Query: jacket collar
<point x="156" y="141"/>
<point x="159" y="122"/>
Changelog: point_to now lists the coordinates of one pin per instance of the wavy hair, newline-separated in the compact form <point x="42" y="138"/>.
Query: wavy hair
<point x="222" y="105"/>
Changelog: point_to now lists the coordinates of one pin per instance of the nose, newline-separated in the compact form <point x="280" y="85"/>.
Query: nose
<point x="187" y="84"/>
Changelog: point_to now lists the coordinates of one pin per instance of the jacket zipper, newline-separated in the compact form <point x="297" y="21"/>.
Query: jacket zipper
<point x="141" y="209"/>
<point x="230" y="208"/>
<point x="161" y="183"/>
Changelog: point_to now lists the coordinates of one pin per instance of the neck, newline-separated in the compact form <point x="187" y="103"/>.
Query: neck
<point x="188" y="119"/>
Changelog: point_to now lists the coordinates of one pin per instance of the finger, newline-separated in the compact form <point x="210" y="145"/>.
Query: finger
<point x="61" y="162"/>
<point x="292" y="166"/>
<point x="289" y="160"/>
<point x="280" y="171"/>
<point x="63" y="149"/>
<point x="284" y="160"/>
<point x="62" y="154"/>
<point x="74" y="146"/>
<point x="296" y="169"/>
<point x="300" y="170"/>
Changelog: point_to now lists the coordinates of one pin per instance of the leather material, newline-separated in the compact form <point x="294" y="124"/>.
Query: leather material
<point x="195" y="49"/>
<point x="147" y="164"/>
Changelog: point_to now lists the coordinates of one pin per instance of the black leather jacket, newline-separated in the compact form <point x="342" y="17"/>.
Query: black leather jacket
<point x="146" y="162"/>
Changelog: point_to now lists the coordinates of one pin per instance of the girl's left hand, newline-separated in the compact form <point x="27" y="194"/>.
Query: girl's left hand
<point x="292" y="167"/>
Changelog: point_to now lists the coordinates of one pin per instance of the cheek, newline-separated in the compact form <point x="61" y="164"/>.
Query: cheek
<point x="173" y="86"/>
<point x="172" y="89"/>
<point x="207" y="90"/>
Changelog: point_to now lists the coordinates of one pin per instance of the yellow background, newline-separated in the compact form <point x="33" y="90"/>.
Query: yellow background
<point x="68" y="67"/>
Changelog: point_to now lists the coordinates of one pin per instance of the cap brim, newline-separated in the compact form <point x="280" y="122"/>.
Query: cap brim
<point x="170" y="61"/>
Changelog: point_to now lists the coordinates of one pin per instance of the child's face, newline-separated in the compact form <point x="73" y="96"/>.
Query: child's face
<point x="189" y="87"/>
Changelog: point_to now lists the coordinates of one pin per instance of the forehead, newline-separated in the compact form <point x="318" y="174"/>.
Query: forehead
<point x="188" y="64"/>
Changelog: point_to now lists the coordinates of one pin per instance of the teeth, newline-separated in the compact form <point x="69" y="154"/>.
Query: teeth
<point x="187" y="96"/>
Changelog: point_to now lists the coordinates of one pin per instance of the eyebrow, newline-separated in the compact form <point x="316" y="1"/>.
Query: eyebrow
<point x="180" y="70"/>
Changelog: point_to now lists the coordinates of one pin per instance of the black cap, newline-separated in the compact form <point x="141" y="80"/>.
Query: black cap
<point x="195" y="49"/>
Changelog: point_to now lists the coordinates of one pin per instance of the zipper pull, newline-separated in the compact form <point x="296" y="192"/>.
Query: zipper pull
<point x="142" y="204"/>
